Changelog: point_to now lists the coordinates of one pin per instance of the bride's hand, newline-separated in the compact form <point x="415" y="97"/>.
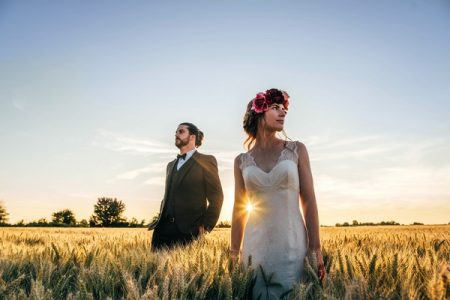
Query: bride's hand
<point x="320" y="265"/>
<point x="317" y="257"/>
<point x="235" y="254"/>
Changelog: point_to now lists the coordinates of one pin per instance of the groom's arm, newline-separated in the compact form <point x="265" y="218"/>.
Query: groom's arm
<point x="156" y="219"/>
<point x="214" y="192"/>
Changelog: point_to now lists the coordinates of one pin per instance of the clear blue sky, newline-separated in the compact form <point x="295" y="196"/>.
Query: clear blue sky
<point x="91" y="94"/>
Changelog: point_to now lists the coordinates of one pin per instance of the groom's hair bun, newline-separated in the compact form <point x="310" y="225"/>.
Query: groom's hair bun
<point x="193" y="130"/>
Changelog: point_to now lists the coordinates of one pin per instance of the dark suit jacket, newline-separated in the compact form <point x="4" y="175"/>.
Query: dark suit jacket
<point x="197" y="194"/>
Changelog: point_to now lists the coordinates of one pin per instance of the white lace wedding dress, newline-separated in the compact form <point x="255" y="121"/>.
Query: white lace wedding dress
<point x="275" y="235"/>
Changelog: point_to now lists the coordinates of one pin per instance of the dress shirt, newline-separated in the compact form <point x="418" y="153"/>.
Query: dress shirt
<point x="182" y="161"/>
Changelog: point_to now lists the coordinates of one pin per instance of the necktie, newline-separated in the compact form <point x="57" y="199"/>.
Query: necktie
<point x="183" y="156"/>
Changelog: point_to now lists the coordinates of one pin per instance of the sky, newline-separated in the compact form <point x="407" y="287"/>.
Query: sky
<point x="91" y="93"/>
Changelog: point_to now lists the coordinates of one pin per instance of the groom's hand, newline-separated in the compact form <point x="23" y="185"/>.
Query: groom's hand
<point x="201" y="230"/>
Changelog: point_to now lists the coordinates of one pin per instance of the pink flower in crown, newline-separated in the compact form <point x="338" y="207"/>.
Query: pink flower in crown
<point x="260" y="103"/>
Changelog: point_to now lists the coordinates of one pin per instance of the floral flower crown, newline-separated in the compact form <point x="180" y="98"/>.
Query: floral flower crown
<point x="264" y="100"/>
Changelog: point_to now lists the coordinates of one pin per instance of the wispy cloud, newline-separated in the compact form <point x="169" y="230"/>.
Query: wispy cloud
<point x="326" y="142"/>
<point x="380" y="174"/>
<point x="161" y="153"/>
<point x="225" y="159"/>
<point x="133" y="174"/>
<point x="19" y="105"/>
<point x="374" y="147"/>
<point x="120" y="143"/>
<point x="158" y="181"/>
<point x="407" y="184"/>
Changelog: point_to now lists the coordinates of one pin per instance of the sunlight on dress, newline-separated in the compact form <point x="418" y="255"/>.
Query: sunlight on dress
<point x="249" y="207"/>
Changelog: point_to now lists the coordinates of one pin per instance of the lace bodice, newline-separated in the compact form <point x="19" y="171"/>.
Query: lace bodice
<point x="288" y="153"/>
<point x="283" y="175"/>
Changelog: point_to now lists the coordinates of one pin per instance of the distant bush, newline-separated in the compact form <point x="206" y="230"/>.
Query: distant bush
<point x="3" y="214"/>
<point x="224" y="224"/>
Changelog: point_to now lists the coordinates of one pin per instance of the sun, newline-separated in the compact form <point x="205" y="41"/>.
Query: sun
<point x="249" y="207"/>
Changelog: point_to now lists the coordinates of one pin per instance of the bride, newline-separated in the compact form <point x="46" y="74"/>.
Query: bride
<point x="271" y="180"/>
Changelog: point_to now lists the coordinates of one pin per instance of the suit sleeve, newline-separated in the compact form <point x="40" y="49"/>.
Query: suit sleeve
<point x="155" y="221"/>
<point x="161" y="207"/>
<point x="214" y="193"/>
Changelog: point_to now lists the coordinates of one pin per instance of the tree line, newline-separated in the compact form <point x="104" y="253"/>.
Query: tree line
<point x="356" y="223"/>
<point x="108" y="212"/>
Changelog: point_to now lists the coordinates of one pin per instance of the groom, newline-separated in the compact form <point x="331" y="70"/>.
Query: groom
<point x="193" y="194"/>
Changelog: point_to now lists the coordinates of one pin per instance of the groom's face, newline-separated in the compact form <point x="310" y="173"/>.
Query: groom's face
<point x="182" y="136"/>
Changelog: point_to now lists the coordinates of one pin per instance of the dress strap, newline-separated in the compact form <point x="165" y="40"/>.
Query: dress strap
<point x="290" y="151"/>
<point x="246" y="160"/>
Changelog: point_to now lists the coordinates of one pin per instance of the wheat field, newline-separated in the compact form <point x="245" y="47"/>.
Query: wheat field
<point x="397" y="262"/>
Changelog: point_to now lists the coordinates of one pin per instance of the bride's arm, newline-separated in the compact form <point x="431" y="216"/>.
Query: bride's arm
<point x="239" y="210"/>
<point x="308" y="198"/>
<point x="309" y="206"/>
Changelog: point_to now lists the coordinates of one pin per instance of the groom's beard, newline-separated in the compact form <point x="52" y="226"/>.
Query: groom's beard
<point x="181" y="143"/>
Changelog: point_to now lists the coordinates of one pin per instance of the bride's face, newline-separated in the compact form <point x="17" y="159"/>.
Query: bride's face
<point x="274" y="117"/>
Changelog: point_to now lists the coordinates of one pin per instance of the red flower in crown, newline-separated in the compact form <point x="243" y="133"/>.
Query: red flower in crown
<point x="286" y="100"/>
<point x="260" y="103"/>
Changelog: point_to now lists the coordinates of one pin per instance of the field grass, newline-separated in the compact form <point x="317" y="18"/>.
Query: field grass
<point x="398" y="262"/>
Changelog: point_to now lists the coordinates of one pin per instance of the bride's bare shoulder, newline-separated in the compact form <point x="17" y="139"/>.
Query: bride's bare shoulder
<point x="238" y="159"/>
<point x="297" y="147"/>
<point x="302" y="152"/>
<point x="300" y="145"/>
<point x="239" y="156"/>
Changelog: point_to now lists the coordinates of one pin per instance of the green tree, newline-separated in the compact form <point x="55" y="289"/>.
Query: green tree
<point x="133" y="223"/>
<point x="3" y="214"/>
<point x="64" y="217"/>
<point x="42" y="222"/>
<point x="83" y="223"/>
<point x="108" y="212"/>
<point x="93" y="221"/>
